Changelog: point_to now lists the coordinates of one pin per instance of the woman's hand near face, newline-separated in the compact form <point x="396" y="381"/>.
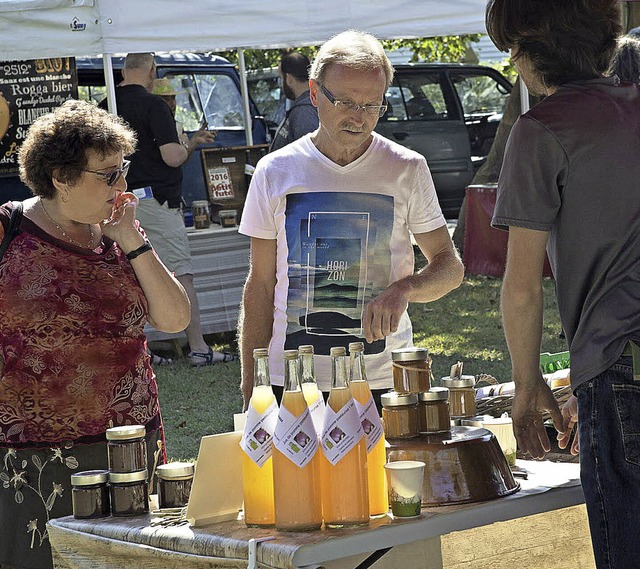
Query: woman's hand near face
<point x="121" y="225"/>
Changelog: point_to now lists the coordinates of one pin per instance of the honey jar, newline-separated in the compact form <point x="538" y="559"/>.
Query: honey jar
<point x="174" y="484"/>
<point x="462" y="395"/>
<point x="89" y="494"/>
<point x="129" y="492"/>
<point x="433" y="410"/>
<point x="411" y="370"/>
<point x="400" y="415"/>
<point x="201" y="214"/>
<point x="126" y="448"/>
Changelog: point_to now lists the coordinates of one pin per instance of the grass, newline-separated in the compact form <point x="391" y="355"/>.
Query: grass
<point x="463" y="326"/>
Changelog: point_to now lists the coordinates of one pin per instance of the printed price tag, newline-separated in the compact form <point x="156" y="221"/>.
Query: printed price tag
<point x="220" y="183"/>
<point x="342" y="431"/>
<point x="258" y="432"/>
<point x="370" y="421"/>
<point x="295" y="437"/>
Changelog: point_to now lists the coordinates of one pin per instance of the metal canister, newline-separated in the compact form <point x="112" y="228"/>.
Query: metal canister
<point x="201" y="214"/>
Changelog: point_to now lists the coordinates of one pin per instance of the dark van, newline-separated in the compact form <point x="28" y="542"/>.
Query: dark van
<point x="208" y="89"/>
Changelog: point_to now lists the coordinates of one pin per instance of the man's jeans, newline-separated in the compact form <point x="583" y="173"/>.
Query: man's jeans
<point x="609" y="426"/>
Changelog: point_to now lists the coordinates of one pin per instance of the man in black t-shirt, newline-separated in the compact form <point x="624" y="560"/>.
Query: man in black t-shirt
<point x="157" y="165"/>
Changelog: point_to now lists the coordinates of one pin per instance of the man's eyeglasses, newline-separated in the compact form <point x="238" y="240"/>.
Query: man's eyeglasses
<point x="112" y="177"/>
<point x="374" y="110"/>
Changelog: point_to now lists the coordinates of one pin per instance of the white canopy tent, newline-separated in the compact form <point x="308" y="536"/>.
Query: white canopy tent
<point x="31" y="29"/>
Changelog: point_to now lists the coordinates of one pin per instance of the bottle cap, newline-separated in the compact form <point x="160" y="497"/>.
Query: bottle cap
<point x="305" y="349"/>
<point x="260" y="352"/>
<point x="338" y="351"/>
<point x="356" y="347"/>
<point x="290" y="354"/>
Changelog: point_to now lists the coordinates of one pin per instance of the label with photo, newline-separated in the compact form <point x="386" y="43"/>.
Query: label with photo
<point x="370" y="421"/>
<point x="342" y="431"/>
<point x="257" y="438"/>
<point x="295" y="437"/>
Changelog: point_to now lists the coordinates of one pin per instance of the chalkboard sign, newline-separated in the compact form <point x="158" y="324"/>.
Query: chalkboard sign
<point x="29" y="89"/>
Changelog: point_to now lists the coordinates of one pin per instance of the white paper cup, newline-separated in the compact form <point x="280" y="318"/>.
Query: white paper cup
<point x="502" y="428"/>
<point x="404" y="480"/>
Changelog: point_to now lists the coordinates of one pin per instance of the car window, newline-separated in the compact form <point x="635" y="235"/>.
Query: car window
<point x="423" y="96"/>
<point x="395" y="104"/>
<point x="479" y="93"/>
<point x="217" y="94"/>
<point x="268" y="97"/>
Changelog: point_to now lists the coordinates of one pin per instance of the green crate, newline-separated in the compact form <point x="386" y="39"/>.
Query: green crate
<point x="553" y="362"/>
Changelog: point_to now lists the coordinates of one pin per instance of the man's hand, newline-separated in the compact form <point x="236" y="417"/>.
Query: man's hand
<point x="530" y="403"/>
<point x="570" y="416"/>
<point x="382" y="314"/>
<point x="202" y="136"/>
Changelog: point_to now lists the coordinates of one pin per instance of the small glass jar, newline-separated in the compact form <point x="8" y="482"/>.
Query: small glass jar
<point x="462" y="396"/>
<point x="201" y="214"/>
<point x="433" y="410"/>
<point x="174" y="484"/>
<point x="90" y="495"/>
<point x="411" y="370"/>
<point x="127" y="448"/>
<point x="400" y="415"/>
<point x="129" y="493"/>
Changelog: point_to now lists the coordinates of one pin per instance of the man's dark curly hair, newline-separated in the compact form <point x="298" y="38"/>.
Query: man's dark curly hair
<point x="566" y="40"/>
<point x="58" y="144"/>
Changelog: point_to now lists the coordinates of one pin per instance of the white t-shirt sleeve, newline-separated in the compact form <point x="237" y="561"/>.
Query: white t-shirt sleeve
<point x="424" y="213"/>
<point x="258" y="219"/>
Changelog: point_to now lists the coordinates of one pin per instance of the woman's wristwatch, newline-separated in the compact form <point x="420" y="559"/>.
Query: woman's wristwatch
<point x="146" y="246"/>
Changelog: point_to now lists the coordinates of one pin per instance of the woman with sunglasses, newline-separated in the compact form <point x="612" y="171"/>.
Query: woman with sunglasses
<point x="78" y="282"/>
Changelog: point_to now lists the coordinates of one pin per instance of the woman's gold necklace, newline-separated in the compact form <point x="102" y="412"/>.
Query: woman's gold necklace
<point x="89" y="244"/>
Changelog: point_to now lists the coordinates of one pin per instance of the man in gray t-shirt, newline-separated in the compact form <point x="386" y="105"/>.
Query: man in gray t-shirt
<point x="570" y="184"/>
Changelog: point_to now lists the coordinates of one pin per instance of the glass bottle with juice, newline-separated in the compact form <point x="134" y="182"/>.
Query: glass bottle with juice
<point x="373" y="432"/>
<point x="345" y="496"/>
<point x="296" y="460"/>
<point x="257" y="463"/>
<point x="312" y="395"/>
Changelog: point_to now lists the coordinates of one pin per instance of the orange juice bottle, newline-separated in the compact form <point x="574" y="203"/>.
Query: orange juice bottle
<point x="312" y="395"/>
<point x="345" y="496"/>
<point x="296" y="460"/>
<point x="373" y="432"/>
<point x="257" y="478"/>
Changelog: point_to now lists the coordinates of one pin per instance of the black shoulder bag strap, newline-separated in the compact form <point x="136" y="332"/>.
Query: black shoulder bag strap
<point x="12" y="229"/>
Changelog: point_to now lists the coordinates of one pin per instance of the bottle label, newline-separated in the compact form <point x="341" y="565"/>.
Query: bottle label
<point x="341" y="432"/>
<point x="370" y="421"/>
<point x="316" y="410"/>
<point x="295" y="437"/>
<point x="258" y="432"/>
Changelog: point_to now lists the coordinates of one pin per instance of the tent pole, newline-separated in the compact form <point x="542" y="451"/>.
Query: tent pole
<point x="248" y="119"/>
<point x="108" y="81"/>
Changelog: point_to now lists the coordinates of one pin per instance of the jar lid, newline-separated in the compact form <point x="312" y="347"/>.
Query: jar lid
<point x="395" y="399"/>
<point x="434" y="394"/>
<point x="356" y="347"/>
<point x="175" y="470"/>
<point x="306" y="349"/>
<point x="477" y="421"/>
<point x="122" y="477"/>
<point x="199" y="203"/>
<point x="290" y="354"/>
<point x="125" y="432"/>
<point x="409" y="354"/>
<point x="89" y="477"/>
<point x="464" y="381"/>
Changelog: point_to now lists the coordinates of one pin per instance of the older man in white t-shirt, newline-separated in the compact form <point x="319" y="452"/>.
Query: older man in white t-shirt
<point x="330" y="218"/>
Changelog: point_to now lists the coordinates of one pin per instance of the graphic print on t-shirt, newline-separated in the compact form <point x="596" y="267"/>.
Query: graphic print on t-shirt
<point x="339" y="258"/>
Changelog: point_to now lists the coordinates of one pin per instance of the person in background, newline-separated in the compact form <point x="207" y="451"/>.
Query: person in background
<point x="77" y="284"/>
<point x="331" y="217"/>
<point x="302" y="117"/>
<point x="569" y="186"/>
<point x="626" y="60"/>
<point x="157" y="165"/>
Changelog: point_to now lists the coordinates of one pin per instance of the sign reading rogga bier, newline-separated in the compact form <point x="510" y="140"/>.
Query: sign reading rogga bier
<point x="29" y="89"/>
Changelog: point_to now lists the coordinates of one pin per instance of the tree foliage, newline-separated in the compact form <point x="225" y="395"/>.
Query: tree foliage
<point x="443" y="48"/>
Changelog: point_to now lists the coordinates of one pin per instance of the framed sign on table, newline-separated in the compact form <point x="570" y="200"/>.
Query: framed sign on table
<point x="227" y="173"/>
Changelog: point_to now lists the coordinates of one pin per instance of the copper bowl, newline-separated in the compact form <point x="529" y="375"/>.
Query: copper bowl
<point x="465" y="465"/>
